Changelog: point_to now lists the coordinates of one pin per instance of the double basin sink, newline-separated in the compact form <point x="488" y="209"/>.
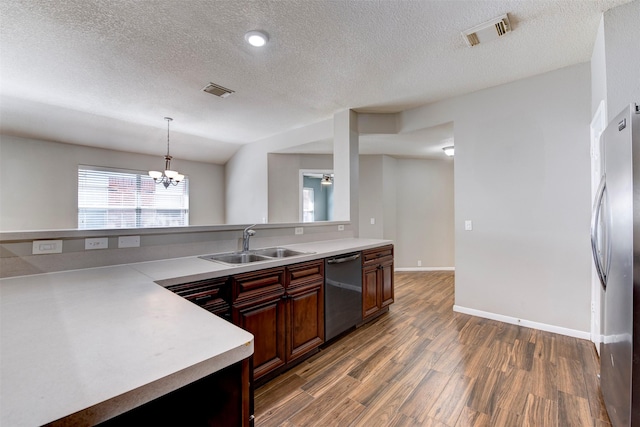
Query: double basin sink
<point x="265" y="254"/>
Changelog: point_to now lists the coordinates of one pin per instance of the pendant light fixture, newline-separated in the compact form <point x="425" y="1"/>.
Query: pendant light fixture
<point x="168" y="177"/>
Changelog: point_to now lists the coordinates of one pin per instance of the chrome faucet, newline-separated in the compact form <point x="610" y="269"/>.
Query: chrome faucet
<point x="246" y="235"/>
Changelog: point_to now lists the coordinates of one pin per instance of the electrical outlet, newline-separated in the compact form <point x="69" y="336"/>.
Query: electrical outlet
<point x="299" y="230"/>
<point x="341" y="227"/>
<point x="96" y="243"/>
<point x="468" y="225"/>
<point x="129" y="241"/>
<point x="41" y="247"/>
<point x="419" y="263"/>
<point x="373" y="221"/>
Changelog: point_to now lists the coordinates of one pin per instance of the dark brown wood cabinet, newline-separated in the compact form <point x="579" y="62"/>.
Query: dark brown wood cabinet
<point x="283" y="307"/>
<point x="377" y="281"/>
<point x="211" y="294"/>
<point x="224" y="398"/>
<point x="304" y="308"/>
<point x="259" y="308"/>
<point x="284" y="310"/>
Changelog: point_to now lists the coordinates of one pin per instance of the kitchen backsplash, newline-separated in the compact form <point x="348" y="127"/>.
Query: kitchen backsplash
<point x="16" y="257"/>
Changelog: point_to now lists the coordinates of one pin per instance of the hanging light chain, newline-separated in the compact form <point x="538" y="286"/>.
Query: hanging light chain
<point x="168" y="177"/>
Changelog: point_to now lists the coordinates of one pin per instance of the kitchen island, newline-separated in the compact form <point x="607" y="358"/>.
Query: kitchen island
<point x="80" y="347"/>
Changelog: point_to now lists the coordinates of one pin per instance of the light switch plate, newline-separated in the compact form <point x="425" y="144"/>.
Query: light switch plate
<point x="96" y="243"/>
<point x="41" y="247"/>
<point x="299" y="230"/>
<point x="129" y="241"/>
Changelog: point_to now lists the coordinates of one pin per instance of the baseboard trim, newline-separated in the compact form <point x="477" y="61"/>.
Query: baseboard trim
<point x="425" y="269"/>
<point x="523" y="322"/>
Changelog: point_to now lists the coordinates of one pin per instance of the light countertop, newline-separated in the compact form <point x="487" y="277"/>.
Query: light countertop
<point x="91" y="344"/>
<point x="183" y="270"/>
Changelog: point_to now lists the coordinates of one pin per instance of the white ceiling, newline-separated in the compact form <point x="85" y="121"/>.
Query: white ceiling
<point x="105" y="73"/>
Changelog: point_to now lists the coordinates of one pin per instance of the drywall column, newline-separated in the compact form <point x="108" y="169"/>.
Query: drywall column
<point x="345" y="167"/>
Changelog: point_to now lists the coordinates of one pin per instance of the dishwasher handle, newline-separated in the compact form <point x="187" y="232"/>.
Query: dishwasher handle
<point x="344" y="259"/>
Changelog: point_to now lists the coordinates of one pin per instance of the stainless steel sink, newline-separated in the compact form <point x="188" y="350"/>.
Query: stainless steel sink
<point x="277" y="252"/>
<point x="236" y="258"/>
<point x="265" y="254"/>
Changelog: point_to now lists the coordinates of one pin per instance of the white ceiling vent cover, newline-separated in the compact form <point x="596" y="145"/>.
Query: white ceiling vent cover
<point x="487" y="31"/>
<point x="218" y="90"/>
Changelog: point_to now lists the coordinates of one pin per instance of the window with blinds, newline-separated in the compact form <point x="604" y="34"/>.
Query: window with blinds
<point x="115" y="198"/>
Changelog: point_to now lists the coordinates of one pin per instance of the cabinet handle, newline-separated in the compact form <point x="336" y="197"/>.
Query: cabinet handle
<point x="345" y="259"/>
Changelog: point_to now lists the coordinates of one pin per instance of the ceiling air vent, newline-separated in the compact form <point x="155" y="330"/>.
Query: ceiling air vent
<point x="487" y="31"/>
<point x="217" y="90"/>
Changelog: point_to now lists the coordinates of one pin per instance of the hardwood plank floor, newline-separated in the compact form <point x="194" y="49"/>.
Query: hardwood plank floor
<point x="422" y="364"/>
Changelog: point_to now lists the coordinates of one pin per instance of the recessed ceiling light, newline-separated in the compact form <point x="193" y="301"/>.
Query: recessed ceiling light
<point x="256" y="38"/>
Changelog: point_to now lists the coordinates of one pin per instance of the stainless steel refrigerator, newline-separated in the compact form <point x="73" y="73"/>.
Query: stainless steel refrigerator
<point x="615" y="240"/>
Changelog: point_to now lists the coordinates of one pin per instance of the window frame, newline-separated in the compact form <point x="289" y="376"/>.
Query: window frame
<point x="158" y="213"/>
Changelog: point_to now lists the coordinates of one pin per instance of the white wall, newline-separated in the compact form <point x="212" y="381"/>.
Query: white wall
<point x="598" y="70"/>
<point x="411" y="201"/>
<point x="522" y="173"/>
<point x="284" y="183"/>
<point x="39" y="183"/>
<point x="372" y="197"/>
<point x="622" y="51"/>
<point x="247" y="191"/>
<point x="389" y="199"/>
<point x="425" y="213"/>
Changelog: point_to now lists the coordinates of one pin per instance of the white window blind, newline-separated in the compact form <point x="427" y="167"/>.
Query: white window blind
<point x="116" y="198"/>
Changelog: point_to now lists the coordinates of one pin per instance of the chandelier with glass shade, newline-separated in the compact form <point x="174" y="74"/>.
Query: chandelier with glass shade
<point x="168" y="177"/>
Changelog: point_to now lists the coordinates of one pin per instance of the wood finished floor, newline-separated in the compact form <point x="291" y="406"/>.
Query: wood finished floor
<point x="423" y="364"/>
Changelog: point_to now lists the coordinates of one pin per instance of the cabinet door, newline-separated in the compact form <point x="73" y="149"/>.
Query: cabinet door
<point x="259" y="308"/>
<point x="386" y="282"/>
<point x="305" y="320"/>
<point x="370" y="302"/>
<point x="266" y="321"/>
<point x="305" y="308"/>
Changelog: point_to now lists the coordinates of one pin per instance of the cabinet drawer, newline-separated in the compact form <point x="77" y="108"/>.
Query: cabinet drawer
<point x="305" y="273"/>
<point x="210" y="294"/>
<point x="373" y="256"/>
<point x="257" y="285"/>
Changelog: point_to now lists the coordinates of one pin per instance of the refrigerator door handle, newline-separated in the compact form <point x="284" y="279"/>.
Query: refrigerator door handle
<point x="595" y="219"/>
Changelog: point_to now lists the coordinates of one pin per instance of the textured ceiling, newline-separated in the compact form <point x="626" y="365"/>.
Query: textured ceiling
<point x="105" y="73"/>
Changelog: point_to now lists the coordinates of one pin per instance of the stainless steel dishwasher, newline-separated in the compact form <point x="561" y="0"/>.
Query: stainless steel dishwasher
<point x="342" y="294"/>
